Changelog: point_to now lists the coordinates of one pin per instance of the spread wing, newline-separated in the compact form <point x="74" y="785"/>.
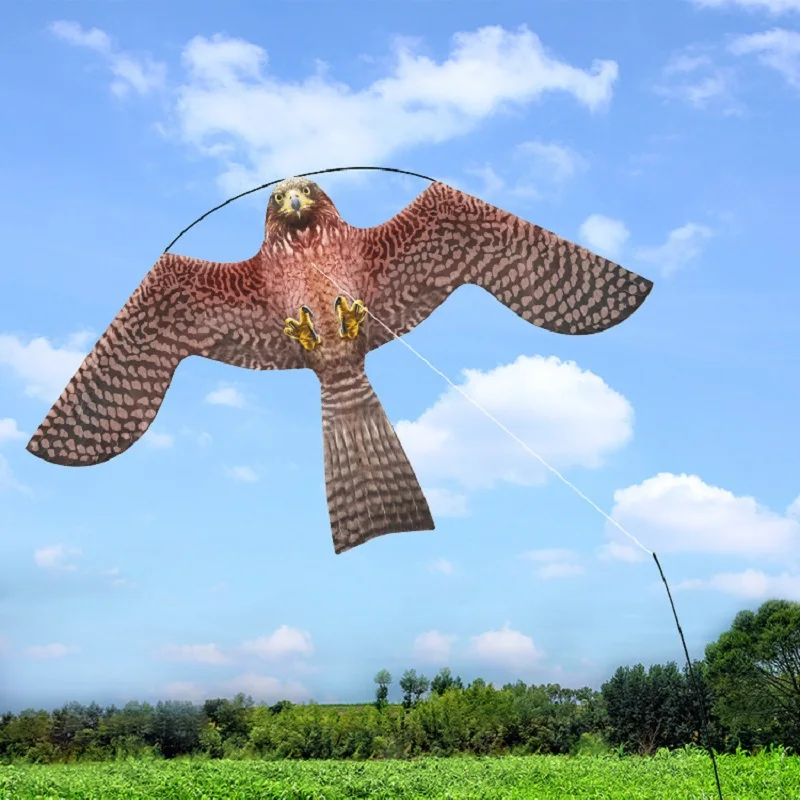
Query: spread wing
<point x="446" y="238"/>
<point x="183" y="307"/>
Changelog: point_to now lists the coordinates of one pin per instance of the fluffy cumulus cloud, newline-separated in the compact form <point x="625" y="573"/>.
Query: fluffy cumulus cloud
<point x="751" y="584"/>
<point x="228" y="95"/>
<point x="158" y="440"/>
<point x="242" y="473"/>
<point x="771" y="6"/>
<point x="555" y="563"/>
<point x="682" y="514"/>
<point x="197" y="653"/>
<point x="694" y="78"/>
<point x="777" y="48"/>
<point x="505" y="647"/>
<point x="140" y="74"/>
<point x="226" y="396"/>
<point x="604" y="235"/>
<point x="433" y="647"/>
<point x="446" y="503"/>
<point x="44" y="368"/>
<point x="51" y="651"/>
<point x="442" y="566"/>
<point x="57" y="557"/>
<point x="683" y="245"/>
<point x="9" y="430"/>
<point x="567" y="415"/>
<point x="283" y="643"/>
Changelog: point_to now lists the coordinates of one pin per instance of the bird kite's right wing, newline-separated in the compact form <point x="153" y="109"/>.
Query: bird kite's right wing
<point x="446" y="238"/>
<point x="183" y="307"/>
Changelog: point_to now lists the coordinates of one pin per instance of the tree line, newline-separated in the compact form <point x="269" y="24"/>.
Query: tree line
<point x="749" y="680"/>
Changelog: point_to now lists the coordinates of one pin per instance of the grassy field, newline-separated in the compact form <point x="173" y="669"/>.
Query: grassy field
<point x="687" y="776"/>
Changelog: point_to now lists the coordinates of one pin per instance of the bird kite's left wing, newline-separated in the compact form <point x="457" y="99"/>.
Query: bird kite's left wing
<point x="446" y="238"/>
<point x="183" y="307"/>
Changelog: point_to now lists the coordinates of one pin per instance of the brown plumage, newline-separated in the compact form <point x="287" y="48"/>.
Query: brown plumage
<point x="277" y="311"/>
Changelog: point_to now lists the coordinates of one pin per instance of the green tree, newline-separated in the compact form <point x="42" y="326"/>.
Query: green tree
<point x="648" y="709"/>
<point x="413" y="686"/>
<point x="754" y="669"/>
<point x="383" y="679"/>
<point x="444" y="680"/>
<point x="231" y="718"/>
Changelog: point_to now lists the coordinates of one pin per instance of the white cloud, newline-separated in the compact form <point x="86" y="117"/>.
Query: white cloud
<point x="551" y="571"/>
<point x="284" y="642"/>
<point x="199" y="653"/>
<point x="140" y="74"/>
<point x="778" y="48"/>
<point x="203" y="438"/>
<point x="604" y="235"/>
<point x="433" y="647"/>
<point x="48" y="651"/>
<point x="695" y="79"/>
<point x="619" y="551"/>
<point x="446" y="503"/>
<point x="794" y="509"/>
<point x="751" y="584"/>
<point x="226" y="396"/>
<point x="682" y="246"/>
<point x="44" y="369"/>
<point x="242" y="473"/>
<point x="56" y="556"/>
<point x="555" y="563"/>
<point x="185" y="690"/>
<point x="505" y="647"/>
<point x="227" y="106"/>
<point x="158" y="441"/>
<point x="539" y="167"/>
<point x="8" y="480"/>
<point x="558" y="162"/>
<point x="9" y="430"/>
<point x="772" y="6"/>
<point x="266" y="689"/>
<point x="441" y="565"/>
<point x="549" y="555"/>
<point x="683" y="514"/>
<point x="567" y="415"/>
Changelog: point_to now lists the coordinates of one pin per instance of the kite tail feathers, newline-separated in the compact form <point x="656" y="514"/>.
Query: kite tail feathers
<point x="371" y="486"/>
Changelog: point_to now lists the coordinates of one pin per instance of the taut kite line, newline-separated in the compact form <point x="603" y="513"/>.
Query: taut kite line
<point x="277" y="311"/>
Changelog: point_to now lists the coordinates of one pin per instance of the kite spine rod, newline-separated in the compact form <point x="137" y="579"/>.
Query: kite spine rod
<point x="302" y="175"/>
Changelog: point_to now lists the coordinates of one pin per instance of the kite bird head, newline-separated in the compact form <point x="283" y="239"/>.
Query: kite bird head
<point x="298" y="203"/>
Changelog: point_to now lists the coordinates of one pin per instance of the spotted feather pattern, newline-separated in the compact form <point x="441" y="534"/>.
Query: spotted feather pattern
<point x="372" y="489"/>
<point x="183" y="307"/>
<point x="446" y="238"/>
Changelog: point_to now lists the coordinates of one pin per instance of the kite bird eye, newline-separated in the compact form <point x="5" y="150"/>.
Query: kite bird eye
<point x="306" y="190"/>
<point x="279" y="198"/>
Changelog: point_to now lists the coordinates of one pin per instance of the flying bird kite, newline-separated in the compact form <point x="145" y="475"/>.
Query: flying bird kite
<point x="287" y="308"/>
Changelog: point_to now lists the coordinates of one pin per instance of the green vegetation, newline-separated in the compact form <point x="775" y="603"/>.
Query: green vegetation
<point x="559" y="742"/>
<point x="683" y="774"/>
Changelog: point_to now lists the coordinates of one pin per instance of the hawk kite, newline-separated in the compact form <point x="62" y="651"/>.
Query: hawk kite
<point x="277" y="310"/>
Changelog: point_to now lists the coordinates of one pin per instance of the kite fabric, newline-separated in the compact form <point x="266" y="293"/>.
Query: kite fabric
<point x="277" y="310"/>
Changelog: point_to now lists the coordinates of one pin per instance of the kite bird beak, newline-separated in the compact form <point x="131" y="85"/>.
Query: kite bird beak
<point x="294" y="202"/>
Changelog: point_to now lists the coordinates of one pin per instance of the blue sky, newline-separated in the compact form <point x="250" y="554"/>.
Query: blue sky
<point x="200" y="562"/>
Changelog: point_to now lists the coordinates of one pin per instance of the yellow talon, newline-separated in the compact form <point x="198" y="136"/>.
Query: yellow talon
<point x="302" y="330"/>
<point x="350" y="317"/>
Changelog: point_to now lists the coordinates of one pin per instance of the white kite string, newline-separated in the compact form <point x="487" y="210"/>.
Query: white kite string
<point x="490" y="416"/>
